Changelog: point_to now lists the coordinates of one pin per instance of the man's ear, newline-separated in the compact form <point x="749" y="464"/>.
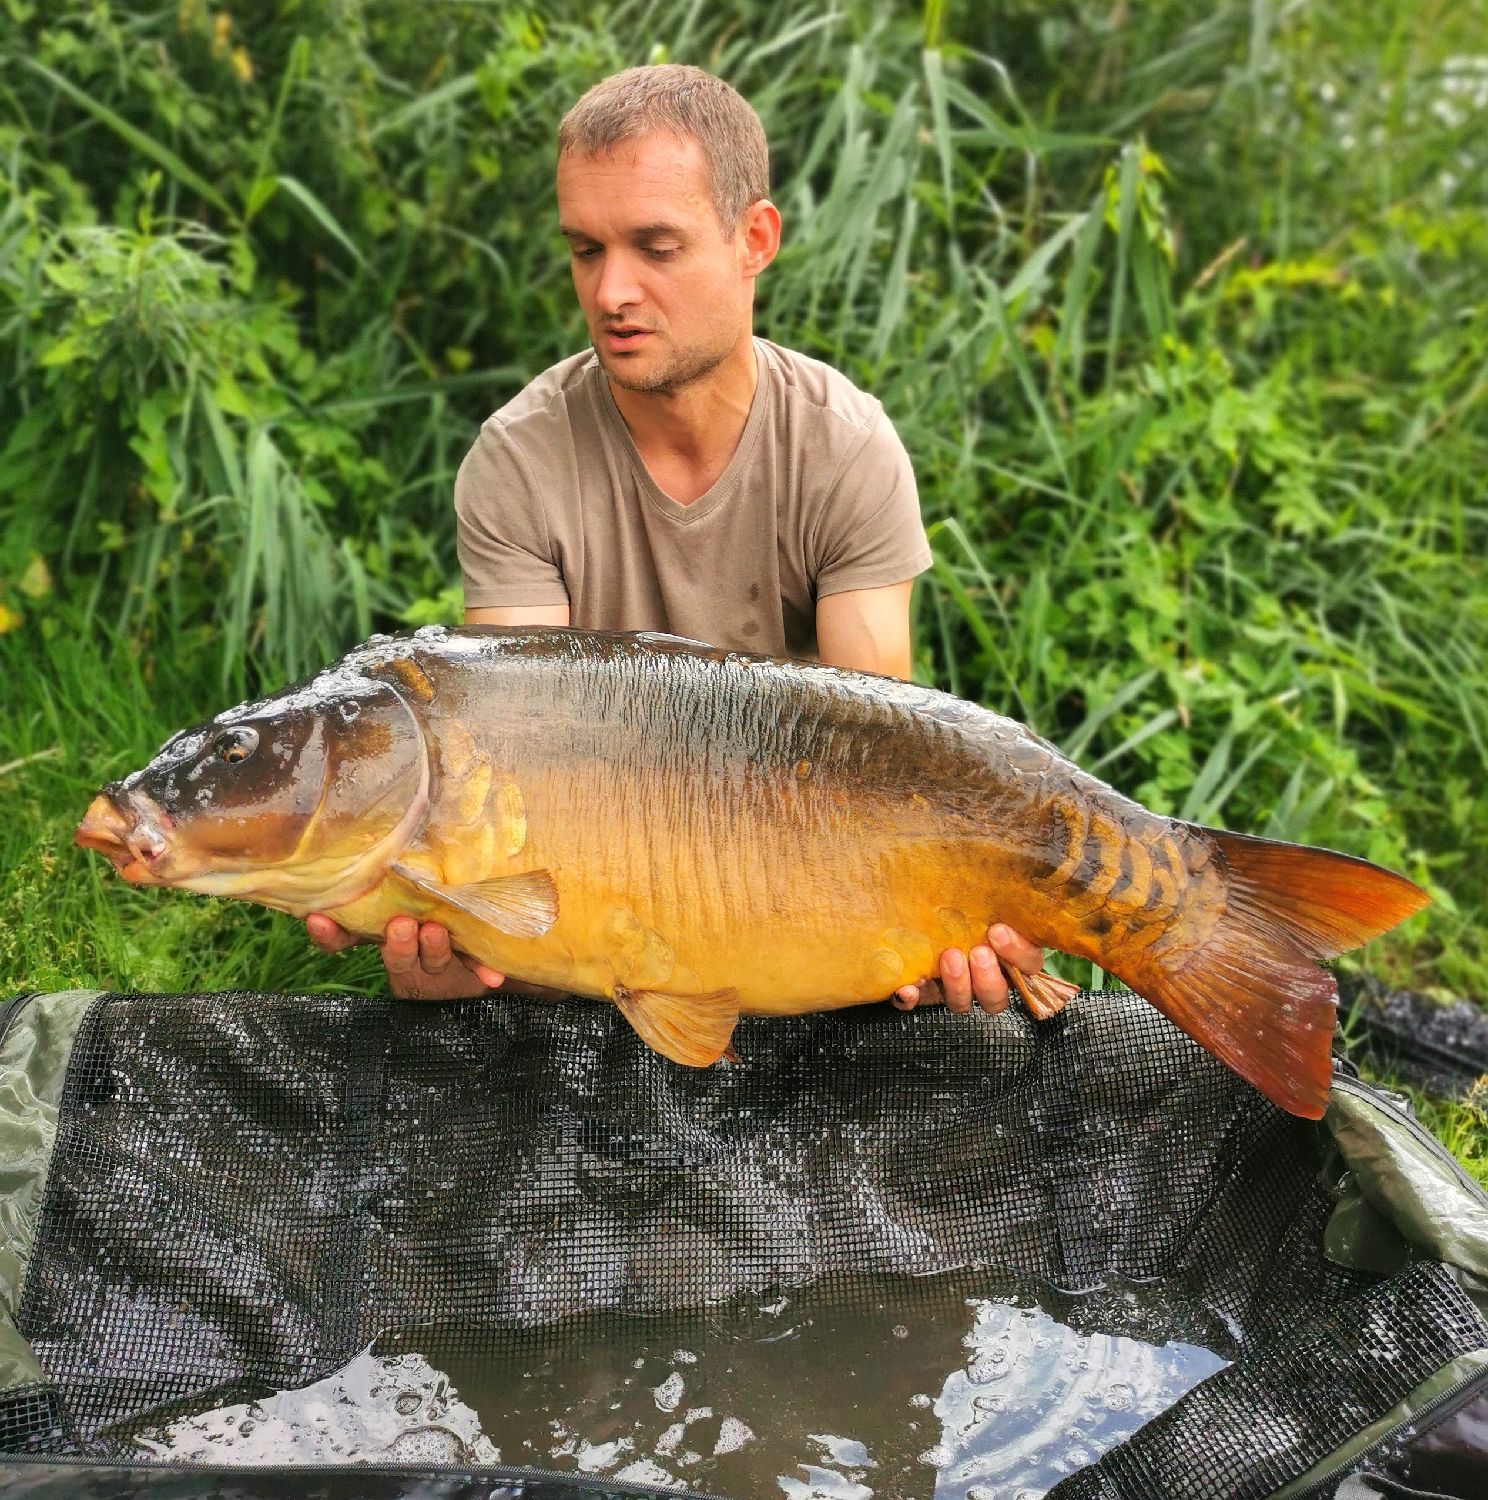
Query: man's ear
<point x="758" y="235"/>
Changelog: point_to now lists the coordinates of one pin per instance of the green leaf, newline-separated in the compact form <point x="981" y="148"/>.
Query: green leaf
<point x="136" y="137"/>
<point x="322" y="216"/>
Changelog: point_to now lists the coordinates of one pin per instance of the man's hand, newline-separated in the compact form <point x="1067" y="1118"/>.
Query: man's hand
<point x="977" y="975"/>
<point x="421" y="962"/>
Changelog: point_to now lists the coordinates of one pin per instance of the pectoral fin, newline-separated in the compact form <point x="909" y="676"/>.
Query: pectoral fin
<point x="1043" y="994"/>
<point x="690" y="1029"/>
<point x="523" y="905"/>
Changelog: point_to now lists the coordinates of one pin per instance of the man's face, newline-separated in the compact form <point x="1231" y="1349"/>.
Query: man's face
<point x="665" y="290"/>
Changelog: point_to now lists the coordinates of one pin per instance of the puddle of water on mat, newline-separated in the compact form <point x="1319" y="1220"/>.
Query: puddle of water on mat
<point x="948" y="1388"/>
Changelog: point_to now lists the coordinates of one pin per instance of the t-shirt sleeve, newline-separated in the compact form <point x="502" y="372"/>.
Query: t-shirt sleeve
<point x="870" y="533"/>
<point x="506" y="553"/>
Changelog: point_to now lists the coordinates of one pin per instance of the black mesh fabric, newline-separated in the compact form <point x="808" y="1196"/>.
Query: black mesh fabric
<point x="31" y="1421"/>
<point x="247" y="1189"/>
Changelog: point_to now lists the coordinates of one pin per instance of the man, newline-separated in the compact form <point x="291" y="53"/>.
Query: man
<point x="683" y="475"/>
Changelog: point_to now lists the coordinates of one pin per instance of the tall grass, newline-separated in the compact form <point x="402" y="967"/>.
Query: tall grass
<point x="1176" y="306"/>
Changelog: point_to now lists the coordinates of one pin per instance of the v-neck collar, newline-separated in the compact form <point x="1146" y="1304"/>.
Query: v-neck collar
<point x="727" y="482"/>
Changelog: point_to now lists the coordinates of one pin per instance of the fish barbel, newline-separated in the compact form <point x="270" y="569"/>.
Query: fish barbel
<point x="698" y="834"/>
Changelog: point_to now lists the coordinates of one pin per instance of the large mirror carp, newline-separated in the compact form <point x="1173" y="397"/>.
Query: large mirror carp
<point x="698" y="834"/>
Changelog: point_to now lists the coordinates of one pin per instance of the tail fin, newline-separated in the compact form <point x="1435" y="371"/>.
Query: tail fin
<point x="1254" y="994"/>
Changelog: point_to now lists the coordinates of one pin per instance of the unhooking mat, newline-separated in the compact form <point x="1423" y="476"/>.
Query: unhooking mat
<point x="209" y="1196"/>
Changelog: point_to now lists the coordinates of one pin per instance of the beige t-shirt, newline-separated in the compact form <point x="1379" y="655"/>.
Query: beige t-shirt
<point x="555" y="506"/>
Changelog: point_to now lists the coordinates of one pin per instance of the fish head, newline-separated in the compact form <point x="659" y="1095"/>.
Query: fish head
<point x="299" y="801"/>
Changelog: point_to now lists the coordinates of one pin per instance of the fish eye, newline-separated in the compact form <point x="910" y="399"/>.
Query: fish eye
<point x="235" y="744"/>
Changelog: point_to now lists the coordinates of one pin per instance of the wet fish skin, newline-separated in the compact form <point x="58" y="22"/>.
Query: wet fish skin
<point x="697" y="834"/>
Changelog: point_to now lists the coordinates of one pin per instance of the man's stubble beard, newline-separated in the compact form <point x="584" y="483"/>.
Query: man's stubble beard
<point x="686" y="367"/>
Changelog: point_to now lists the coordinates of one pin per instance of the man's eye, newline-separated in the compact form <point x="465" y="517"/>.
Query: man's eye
<point x="587" y="252"/>
<point x="656" y="254"/>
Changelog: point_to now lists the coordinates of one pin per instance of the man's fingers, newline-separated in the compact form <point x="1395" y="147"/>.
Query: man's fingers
<point x="1016" y="949"/>
<point x="422" y="963"/>
<point x="434" y="950"/>
<point x="400" y="945"/>
<point x="327" y="935"/>
<point x="987" y="982"/>
<point x="955" y="980"/>
<point x="928" y="992"/>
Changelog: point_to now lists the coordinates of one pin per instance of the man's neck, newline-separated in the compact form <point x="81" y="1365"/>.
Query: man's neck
<point x="686" y="437"/>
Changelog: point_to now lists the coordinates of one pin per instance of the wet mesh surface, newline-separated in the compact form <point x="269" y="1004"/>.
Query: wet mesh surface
<point x="1254" y="1426"/>
<point x="247" y="1189"/>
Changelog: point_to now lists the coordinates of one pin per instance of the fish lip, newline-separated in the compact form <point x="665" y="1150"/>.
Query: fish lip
<point x="119" y="855"/>
<point x="127" y="832"/>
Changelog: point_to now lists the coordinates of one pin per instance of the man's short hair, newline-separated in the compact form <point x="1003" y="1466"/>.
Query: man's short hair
<point x="687" y="102"/>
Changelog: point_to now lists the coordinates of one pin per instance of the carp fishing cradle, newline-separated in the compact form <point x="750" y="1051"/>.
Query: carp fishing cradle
<point x="204" y="1198"/>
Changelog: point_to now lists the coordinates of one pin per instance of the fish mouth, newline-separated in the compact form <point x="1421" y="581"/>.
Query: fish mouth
<point x="133" y="842"/>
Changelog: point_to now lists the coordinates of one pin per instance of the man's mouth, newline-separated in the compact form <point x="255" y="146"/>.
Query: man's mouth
<point x="625" y="336"/>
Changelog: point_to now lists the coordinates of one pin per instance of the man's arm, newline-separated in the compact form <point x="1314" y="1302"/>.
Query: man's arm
<point x="519" y="614"/>
<point x="866" y="630"/>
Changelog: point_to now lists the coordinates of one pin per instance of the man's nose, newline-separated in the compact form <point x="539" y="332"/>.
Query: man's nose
<point x="618" y="287"/>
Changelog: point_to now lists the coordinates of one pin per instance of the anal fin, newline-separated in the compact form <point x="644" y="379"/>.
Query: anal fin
<point x="693" y="1030"/>
<point x="1042" y="993"/>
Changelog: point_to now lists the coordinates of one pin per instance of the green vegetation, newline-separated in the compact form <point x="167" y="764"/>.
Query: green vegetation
<point x="1178" y="307"/>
